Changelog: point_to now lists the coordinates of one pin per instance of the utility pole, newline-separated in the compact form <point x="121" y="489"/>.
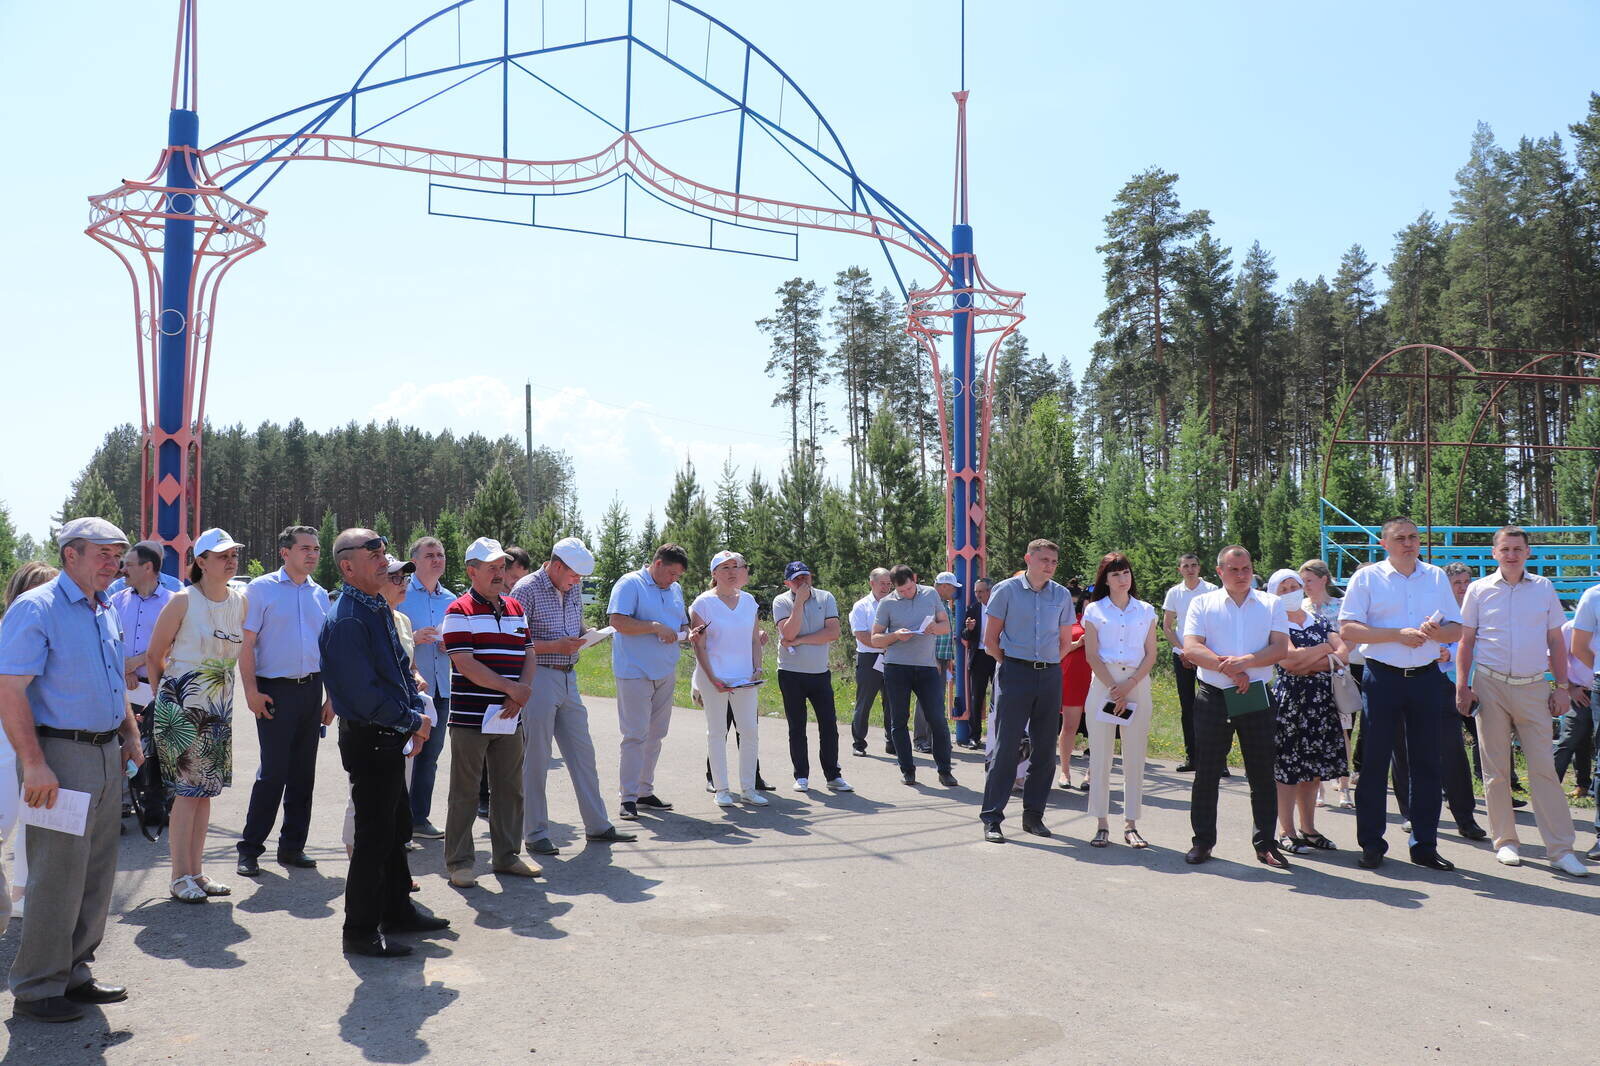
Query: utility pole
<point x="527" y="397"/>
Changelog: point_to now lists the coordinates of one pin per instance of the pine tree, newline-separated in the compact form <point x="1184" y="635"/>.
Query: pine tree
<point x="1207" y="320"/>
<point x="385" y="529"/>
<point x="327" y="573"/>
<point x="447" y="527"/>
<point x="649" y="540"/>
<point x="9" y="560"/>
<point x="764" y="549"/>
<point x="1417" y="279"/>
<point x="1120" y="520"/>
<point x="614" y="550"/>
<point x="797" y="358"/>
<point x="906" y="518"/>
<point x="90" y="498"/>
<point x="496" y="508"/>
<point x="729" y="507"/>
<point x="1187" y="497"/>
<point x="855" y="353"/>
<point x="680" y="504"/>
<point x="799" y="500"/>
<point x="1575" y="470"/>
<point x="1277" y="524"/>
<point x="1479" y="258"/>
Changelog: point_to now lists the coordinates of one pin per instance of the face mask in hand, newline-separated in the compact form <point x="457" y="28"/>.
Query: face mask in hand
<point x="1292" y="601"/>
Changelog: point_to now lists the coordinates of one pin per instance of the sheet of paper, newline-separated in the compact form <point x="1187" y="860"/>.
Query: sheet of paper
<point x="926" y="622"/>
<point x="877" y="664"/>
<point x="433" y="716"/>
<point x="683" y="635"/>
<point x="493" y="723"/>
<point x="140" y="694"/>
<point x="595" y="636"/>
<point x="69" y="815"/>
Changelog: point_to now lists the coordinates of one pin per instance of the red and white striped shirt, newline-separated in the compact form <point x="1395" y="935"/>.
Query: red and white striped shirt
<point x="496" y="634"/>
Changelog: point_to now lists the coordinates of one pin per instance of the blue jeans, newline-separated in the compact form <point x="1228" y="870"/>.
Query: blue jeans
<point x="426" y="765"/>
<point x="1393" y="700"/>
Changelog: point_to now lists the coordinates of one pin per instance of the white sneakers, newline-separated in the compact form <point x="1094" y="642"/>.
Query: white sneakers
<point x="1571" y="864"/>
<point x="1507" y="856"/>
<point x="802" y="784"/>
<point x="839" y="784"/>
<point x="756" y="799"/>
<point x="725" y="798"/>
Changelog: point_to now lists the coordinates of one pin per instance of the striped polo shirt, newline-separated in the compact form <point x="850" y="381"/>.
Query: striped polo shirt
<point x="498" y="641"/>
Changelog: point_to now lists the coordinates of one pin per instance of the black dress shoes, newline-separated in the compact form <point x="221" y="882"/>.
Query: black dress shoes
<point x="93" y="991"/>
<point x="947" y="779"/>
<point x="1185" y="768"/>
<point x="1370" y="860"/>
<point x="374" y="946"/>
<point x="654" y="802"/>
<point x="299" y="860"/>
<point x="1433" y="861"/>
<point x="418" y="923"/>
<point x="908" y="778"/>
<point x="611" y="835"/>
<point x="48" y="1009"/>
<point x="858" y="751"/>
<point x="992" y="834"/>
<point x="542" y="846"/>
<point x="1197" y="855"/>
<point x="248" y="867"/>
<point x="1473" y="831"/>
<point x="1035" y="826"/>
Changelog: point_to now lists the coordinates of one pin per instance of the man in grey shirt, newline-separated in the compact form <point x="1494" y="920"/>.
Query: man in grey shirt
<point x="908" y="619"/>
<point x="808" y="624"/>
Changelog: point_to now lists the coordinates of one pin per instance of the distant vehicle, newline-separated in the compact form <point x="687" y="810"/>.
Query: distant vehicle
<point x="591" y="591"/>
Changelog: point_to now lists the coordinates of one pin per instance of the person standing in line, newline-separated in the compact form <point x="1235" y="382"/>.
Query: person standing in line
<point x="1585" y="622"/>
<point x="648" y="615"/>
<point x="486" y="635"/>
<point x="1577" y="722"/>
<point x="727" y="646"/>
<point x="808" y="623"/>
<point x="13" y="834"/>
<point x="1310" y="744"/>
<point x="980" y="668"/>
<point x="519" y="564"/>
<point x="1119" y="631"/>
<point x="552" y="600"/>
<point x="280" y="669"/>
<point x="138" y="605"/>
<point x="63" y="702"/>
<point x="905" y="626"/>
<point x="1400" y="610"/>
<point x="1234" y="636"/>
<point x="374" y="694"/>
<point x="201" y="629"/>
<point x="944" y="647"/>
<point x="1173" y="607"/>
<point x="425" y="602"/>
<point x="1027" y="630"/>
<point x="1076" y="677"/>
<point x="869" y="678"/>
<point x="1510" y="636"/>
<point x="1316" y="579"/>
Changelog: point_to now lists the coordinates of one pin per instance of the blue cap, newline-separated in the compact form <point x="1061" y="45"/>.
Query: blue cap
<point x="794" y="570"/>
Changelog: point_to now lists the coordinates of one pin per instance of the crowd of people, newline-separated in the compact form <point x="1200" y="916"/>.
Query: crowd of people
<point x="118" y="682"/>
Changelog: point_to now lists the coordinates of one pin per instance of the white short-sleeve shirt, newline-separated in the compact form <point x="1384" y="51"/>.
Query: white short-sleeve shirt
<point x="1383" y="597"/>
<point x="1512" y="622"/>
<point x="1180" y="596"/>
<point x="729" y="633"/>
<point x="862" y="614"/>
<point x="1120" y="634"/>
<point x="1230" y="628"/>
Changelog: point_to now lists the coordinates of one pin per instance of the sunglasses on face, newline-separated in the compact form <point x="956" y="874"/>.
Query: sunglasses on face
<point x="373" y="545"/>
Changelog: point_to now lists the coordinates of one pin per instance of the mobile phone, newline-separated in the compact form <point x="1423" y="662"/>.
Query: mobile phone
<point x="1111" y="709"/>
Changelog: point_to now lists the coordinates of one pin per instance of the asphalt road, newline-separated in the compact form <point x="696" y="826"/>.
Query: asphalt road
<point x="866" y="928"/>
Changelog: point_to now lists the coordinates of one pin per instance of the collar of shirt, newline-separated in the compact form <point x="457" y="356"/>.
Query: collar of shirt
<point x="74" y="594"/>
<point x="497" y="605"/>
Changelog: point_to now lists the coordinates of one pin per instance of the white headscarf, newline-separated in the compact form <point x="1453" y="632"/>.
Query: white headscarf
<point x="1277" y="579"/>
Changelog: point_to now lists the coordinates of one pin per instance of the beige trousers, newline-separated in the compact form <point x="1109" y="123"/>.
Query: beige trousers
<point x="1102" y="737"/>
<point x="1502" y="708"/>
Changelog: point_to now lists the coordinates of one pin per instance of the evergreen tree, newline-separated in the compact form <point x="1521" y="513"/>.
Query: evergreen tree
<point x="90" y="498"/>
<point x="1277" y="524"/>
<point x="764" y="549"/>
<point x="1479" y="257"/>
<point x="1244" y="524"/>
<point x="649" y="540"/>
<point x="1417" y="280"/>
<point x="385" y="529"/>
<point x="729" y="508"/>
<point x="1575" y="471"/>
<point x="496" y="508"/>
<point x="855" y="354"/>
<point x="327" y="573"/>
<point x="799" y="501"/>
<point x="613" y="551"/>
<point x="797" y="358"/>
<point x="906" y="517"/>
<point x="1207" y="320"/>
<point x="1121" y="517"/>
<point x="447" y="527"/>
<point x="680" y="504"/>
<point x="1187" y="496"/>
<point x="9" y="559"/>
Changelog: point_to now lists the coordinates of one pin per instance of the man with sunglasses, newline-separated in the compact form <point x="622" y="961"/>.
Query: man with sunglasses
<point x="280" y="666"/>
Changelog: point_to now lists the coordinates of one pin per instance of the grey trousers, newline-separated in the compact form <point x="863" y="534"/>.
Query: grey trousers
<point x="556" y="713"/>
<point x="644" y="712"/>
<point x="473" y="753"/>
<point x="70" y="877"/>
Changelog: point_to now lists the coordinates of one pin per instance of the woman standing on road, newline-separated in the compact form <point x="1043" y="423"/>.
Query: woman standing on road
<point x="201" y="628"/>
<point x="1317" y="579"/>
<point x="1119" y="642"/>
<point x="727" y="651"/>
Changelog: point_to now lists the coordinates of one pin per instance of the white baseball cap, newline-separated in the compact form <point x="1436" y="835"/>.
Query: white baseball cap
<point x="93" y="530"/>
<point x="397" y="566"/>
<point x="723" y="557"/>
<point x="572" y="551"/>
<point x="485" y="550"/>
<point x="214" y="540"/>
<point x="946" y="578"/>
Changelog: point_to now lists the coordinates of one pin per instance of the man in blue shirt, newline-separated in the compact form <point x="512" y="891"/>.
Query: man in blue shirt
<point x="372" y="691"/>
<point x="648" y="615"/>
<point x="280" y="666"/>
<point x="425" y="602"/>
<point x="63" y="702"/>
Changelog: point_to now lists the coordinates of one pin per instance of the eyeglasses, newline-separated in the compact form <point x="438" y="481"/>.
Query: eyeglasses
<point x="397" y="579"/>
<point x="231" y="638"/>
<point x="373" y="545"/>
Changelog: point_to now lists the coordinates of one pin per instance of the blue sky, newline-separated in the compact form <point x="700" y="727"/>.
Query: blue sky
<point x="1306" y="127"/>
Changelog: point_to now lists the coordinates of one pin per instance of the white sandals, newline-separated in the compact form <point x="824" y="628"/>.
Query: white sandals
<point x="187" y="890"/>
<point x="210" y="887"/>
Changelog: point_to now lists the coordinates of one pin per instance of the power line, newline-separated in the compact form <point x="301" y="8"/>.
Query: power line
<point x="654" y="413"/>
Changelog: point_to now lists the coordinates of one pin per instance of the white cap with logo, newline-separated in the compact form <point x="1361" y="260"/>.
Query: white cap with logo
<point x="214" y="540"/>
<point x="485" y="550"/>
<point x="572" y="551"/>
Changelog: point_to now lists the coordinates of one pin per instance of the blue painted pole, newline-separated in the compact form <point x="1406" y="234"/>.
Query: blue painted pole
<point x="963" y="448"/>
<point x="177" y="270"/>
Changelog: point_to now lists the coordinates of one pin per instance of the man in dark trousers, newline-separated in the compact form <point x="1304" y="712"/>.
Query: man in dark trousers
<point x="980" y="668"/>
<point x="381" y="721"/>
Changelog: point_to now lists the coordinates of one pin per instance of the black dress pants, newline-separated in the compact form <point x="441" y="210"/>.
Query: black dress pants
<point x="378" y="886"/>
<point x="1455" y="774"/>
<point x="869" y="682"/>
<point x="1258" y="743"/>
<point x="288" y="772"/>
<point x="797" y="690"/>
<point x="1029" y="702"/>
<point x="900" y="683"/>
<point x="1184" y="677"/>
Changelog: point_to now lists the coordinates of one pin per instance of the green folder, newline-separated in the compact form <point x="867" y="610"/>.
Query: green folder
<point x="1249" y="701"/>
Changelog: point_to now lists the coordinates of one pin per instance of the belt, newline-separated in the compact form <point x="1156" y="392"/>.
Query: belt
<point x="1032" y="664"/>
<point x="557" y="666"/>
<point x="1404" y="671"/>
<point x="82" y="736"/>
<point x="1509" y="679"/>
<point x="311" y="678"/>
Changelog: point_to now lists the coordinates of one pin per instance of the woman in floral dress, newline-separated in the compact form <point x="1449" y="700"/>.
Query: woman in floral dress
<point x="191" y="661"/>
<point x="1310" y="741"/>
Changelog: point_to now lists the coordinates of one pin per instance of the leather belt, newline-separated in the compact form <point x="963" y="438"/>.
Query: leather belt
<point x="82" y="736"/>
<point x="1404" y="671"/>
<point x="1032" y="664"/>
<point x="307" y="680"/>
<point x="1509" y="679"/>
<point x="557" y="666"/>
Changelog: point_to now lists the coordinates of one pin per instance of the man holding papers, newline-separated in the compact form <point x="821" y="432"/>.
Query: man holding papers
<point x="486" y="635"/>
<point x="63" y="702"/>
<point x="1234" y="636"/>
<point x="551" y="599"/>
<point x="1400" y="611"/>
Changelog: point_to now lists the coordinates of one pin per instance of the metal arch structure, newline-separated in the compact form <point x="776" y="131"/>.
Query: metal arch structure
<point x="181" y="229"/>
<point x="1460" y="368"/>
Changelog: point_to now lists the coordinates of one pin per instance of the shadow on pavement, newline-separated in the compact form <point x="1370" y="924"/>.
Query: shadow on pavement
<point x="392" y="1003"/>
<point x="201" y="935"/>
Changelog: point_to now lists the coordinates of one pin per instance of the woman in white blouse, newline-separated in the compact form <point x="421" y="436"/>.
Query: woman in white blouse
<point x="1119" y="639"/>
<point x="727" y="651"/>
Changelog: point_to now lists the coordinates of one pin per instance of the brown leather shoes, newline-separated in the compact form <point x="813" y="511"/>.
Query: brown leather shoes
<point x="1197" y="855"/>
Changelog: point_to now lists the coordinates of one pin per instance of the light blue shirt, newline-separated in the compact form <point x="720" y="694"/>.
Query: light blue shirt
<point x="164" y="579"/>
<point x="1587" y="616"/>
<point x="71" y="646"/>
<point x="1031" y="620"/>
<point x="286" y="619"/>
<point x="645" y="656"/>
<point x="424" y="609"/>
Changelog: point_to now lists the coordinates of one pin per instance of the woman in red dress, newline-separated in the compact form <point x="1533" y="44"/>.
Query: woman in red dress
<point x="1075" y="678"/>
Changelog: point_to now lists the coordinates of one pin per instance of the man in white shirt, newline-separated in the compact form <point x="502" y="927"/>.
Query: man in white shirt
<point x="1399" y="611"/>
<point x="1173" y="609"/>
<point x="869" y="679"/>
<point x="1510" y="636"/>
<point x="1234" y="635"/>
<point x="1584" y="624"/>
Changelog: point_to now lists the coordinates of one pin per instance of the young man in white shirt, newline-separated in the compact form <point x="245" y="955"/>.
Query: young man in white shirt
<point x="1173" y="608"/>
<point x="869" y="679"/>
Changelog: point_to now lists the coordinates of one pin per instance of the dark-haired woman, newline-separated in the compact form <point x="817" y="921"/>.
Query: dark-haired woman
<point x="1119" y="638"/>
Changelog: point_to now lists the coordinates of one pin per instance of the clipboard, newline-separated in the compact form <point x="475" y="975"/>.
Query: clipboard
<point x="1252" y="699"/>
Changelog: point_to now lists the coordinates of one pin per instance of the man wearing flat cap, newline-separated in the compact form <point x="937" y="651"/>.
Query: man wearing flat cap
<point x="552" y="599"/>
<point x="64" y="704"/>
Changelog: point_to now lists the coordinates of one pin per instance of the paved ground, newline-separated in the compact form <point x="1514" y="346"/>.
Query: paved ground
<point x="873" y="928"/>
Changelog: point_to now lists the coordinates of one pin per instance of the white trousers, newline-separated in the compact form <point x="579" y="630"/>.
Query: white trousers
<point x="742" y="701"/>
<point x="1102" y="737"/>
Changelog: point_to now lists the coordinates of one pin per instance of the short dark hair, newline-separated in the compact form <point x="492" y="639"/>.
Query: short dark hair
<point x="672" y="555"/>
<point x="1186" y="556"/>
<point x="290" y="534"/>
<point x="1510" y="531"/>
<point x="1230" y="549"/>
<point x="983" y="581"/>
<point x="900" y="574"/>
<point x="1110" y="563"/>
<point x="1040" y="543"/>
<point x="148" y="551"/>
<point x="520" y="556"/>
<point x="1399" y="519"/>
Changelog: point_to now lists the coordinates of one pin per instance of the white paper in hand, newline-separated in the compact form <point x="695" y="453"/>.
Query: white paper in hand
<point x="926" y="622"/>
<point x="432" y="713"/>
<point x="140" y="694"/>
<point x="877" y="664"/>
<point x="493" y="723"/>
<point x="69" y="815"/>
<point x="595" y="636"/>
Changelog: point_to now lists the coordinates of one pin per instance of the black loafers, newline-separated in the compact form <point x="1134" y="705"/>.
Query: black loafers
<point x="1370" y="860"/>
<point x="1433" y="861"/>
<point x="299" y="860"/>
<point x="48" y="1009"/>
<point x="908" y="779"/>
<point x="374" y="946"/>
<point x="542" y="846"/>
<point x="92" y="991"/>
<point x="1197" y="855"/>
<point x="420" y="923"/>
<point x="992" y="834"/>
<point x="248" y="867"/>
<point x="947" y="779"/>
<point x="1474" y="831"/>
<point x="654" y="802"/>
<point x="1035" y="826"/>
<point x="610" y="835"/>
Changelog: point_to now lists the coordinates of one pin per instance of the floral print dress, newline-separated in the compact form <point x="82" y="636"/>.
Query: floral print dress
<point x="194" y="710"/>
<point x="1310" y="739"/>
